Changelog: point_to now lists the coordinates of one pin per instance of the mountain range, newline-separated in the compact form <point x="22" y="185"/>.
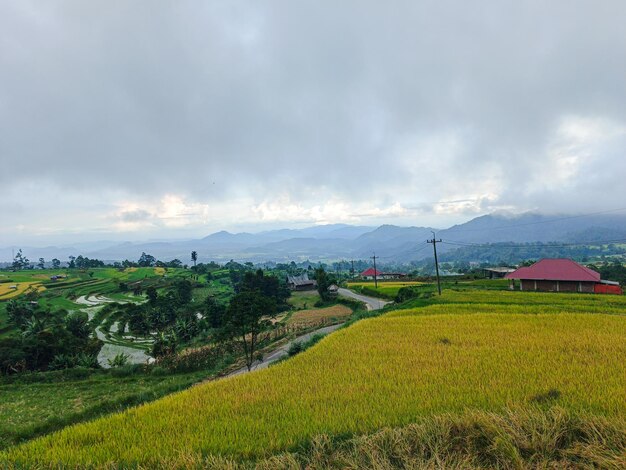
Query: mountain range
<point x="340" y="241"/>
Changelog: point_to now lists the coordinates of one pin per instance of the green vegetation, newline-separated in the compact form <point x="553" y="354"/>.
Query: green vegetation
<point x="37" y="404"/>
<point x="304" y="299"/>
<point x="473" y="370"/>
<point x="391" y="289"/>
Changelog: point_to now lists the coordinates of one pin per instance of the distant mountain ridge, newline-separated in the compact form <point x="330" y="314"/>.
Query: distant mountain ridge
<point x="342" y="241"/>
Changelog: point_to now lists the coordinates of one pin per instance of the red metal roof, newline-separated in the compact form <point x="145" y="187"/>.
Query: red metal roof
<point x="370" y="272"/>
<point x="556" y="270"/>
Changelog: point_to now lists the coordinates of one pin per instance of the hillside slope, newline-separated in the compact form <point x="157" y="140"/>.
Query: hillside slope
<point x="474" y="351"/>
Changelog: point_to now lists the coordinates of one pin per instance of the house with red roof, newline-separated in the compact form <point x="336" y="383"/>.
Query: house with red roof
<point x="368" y="274"/>
<point x="562" y="275"/>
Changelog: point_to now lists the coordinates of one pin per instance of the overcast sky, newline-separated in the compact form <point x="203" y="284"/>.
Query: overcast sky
<point x="154" y="119"/>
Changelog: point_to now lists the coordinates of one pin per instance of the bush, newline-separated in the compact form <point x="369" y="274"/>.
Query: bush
<point x="119" y="360"/>
<point x="206" y="357"/>
<point x="299" y="346"/>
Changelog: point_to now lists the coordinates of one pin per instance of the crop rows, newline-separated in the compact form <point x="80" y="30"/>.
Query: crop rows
<point x="386" y="371"/>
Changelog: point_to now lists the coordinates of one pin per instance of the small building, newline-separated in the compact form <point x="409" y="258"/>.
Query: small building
<point x="562" y="275"/>
<point x="368" y="275"/>
<point x="498" y="272"/>
<point x="301" y="282"/>
<point x="333" y="290"/>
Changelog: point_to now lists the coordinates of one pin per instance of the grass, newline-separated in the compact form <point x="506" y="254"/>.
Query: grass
<point x="29" y="409"/>
<point x="389" y="289"/>
<point x="515" y="439"/>
<point x="321" y="315"/>
<point x="462" y="355"/>
<point x="304" y="299"/>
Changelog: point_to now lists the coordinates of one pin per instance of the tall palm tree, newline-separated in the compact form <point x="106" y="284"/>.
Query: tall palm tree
<point x="194" y="258"/>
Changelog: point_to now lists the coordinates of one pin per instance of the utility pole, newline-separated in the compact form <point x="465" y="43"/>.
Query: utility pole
<point x="434" y="241"/>
<point x="375" y="272"/>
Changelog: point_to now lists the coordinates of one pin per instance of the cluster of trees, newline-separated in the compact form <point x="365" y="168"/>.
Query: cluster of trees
<point x="173" y="319"/>
<point x="21" y="262"/>
<point x="47" y="341"/>
<point x="148" y="261"/>
<point x="507" y="253"/>
<point x="614" y="271"/>
<point x="258" y="298"/>
<point x="82" y="262"/>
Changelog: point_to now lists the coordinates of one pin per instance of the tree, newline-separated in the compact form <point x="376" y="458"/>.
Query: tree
<point x="323" y="282"/>
<point x="56" y="264"/>
<point x="194" y="258"/>
<point x="78" y="324"/>
<point x="152" y="294"/>
<point x="41" y="264"/>
<point x="248" y="315"/>
<point x="184" y="291"/>
<point x="164" y="345"/>
<point x="72" y="263"/>
<point x="20" y="261"/>
<point x="214" y="312"/>
<point x="146" y="261"/>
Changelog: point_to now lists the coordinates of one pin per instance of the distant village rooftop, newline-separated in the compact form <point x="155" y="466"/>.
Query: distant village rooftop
<point x="368" y="274"/>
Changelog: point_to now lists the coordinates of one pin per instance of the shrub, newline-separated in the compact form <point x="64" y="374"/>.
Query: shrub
<point x="119" y="360"/>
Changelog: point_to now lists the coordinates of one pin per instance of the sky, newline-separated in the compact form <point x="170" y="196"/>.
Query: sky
<point x="174" y="119"/>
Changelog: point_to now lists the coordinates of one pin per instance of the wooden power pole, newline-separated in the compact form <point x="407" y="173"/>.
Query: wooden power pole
<point x="434" y="241"/>
<point x="375" y="272"/>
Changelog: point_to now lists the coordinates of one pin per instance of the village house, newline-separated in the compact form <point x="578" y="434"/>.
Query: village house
<point x="301" y="282"/>
<point x="368" y="275"/>
<point x="561" y="275"/>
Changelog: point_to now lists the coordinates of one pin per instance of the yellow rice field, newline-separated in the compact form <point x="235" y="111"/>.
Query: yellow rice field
<point x="7" y="291"/>
<point x="385" y="371"/>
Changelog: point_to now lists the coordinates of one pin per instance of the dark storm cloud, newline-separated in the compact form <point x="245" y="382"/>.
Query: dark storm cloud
<point x="395" y="103"/>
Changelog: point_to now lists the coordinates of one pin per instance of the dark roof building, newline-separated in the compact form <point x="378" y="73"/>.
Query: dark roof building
<point x="562" y="275"/>
<point x="301" y="282"/>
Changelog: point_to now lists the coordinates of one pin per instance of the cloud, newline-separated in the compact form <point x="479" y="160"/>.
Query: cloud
<point x="217" y="115"/>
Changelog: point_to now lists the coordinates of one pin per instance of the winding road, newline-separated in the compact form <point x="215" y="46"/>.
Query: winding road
<point x="371" y="303"/>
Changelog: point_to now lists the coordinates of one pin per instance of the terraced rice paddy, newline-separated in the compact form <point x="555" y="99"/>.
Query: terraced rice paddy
<point x="10" y="290"/>
<point x="320" y="315"/>
<point x="480" y="352"/>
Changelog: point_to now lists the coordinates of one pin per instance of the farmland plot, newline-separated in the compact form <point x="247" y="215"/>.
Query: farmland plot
<point x="387" y="371"/>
